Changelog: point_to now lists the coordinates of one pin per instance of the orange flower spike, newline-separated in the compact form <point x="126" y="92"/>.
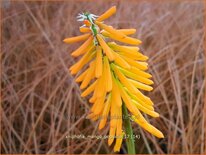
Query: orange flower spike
<point x="107" y="14"/>
<point x="119" y="72"/>
<point x="77" y="39"/>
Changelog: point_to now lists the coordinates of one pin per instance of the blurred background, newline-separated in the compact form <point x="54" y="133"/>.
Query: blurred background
<point x="41" y="105"/>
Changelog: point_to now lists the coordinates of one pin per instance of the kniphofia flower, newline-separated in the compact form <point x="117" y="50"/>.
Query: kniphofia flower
<point x="113" y="75"/>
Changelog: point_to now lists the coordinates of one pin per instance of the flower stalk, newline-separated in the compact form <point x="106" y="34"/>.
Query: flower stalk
<point x="128" y="131"/>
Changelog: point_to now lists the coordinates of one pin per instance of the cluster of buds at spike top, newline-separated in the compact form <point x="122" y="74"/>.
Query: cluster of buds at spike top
<point x="113" y="75"/>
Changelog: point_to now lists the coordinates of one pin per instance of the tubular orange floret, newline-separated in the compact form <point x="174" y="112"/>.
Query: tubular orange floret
<point x="124" y="80"/>
<point x="105" y="112"/>
<point x="127" y="31"/>
<point x="121" y="62"/>
<point x="106" y="48"/>
<point x="81" y="76"/>
<point x="107" y="14"/>
<point x="119" y="133"/>
<point x="136" y="64"/>
<point x="113" y="113"/>
<point x="93" y="98"/>
<point x="89" y="76"/>
<point x="87" y="22"/>
<point x="128" y="50"/>
<point x="84" y="29"/>
<point x="83" y="48"/>
<point x="118" y="143"/>
<point x="89" y="89"/>
<point x="111" y="135"/>
<point x="133" y="57"/>
<point x="124" y="31"/>
<point x="144" y="124"/>
<point x="119" y="36"/>
<point x="111" y="30"/>
<point x="100" y="86"/>
<point x="126" y="39"/>
<point x="83" y="61"/>
<point x="133" y="72"/>
<point x="123" y="48"/>
<point x="108" y="74"/>
<point x="139" y="77"/>
<point x="98" y="69"/>
<point x="128" y="101"/>
<point x="119" y="121"/>
<point x="116" y="94"/>
<point x="145" y="110"/>
<point x="100" y="105"/>
<point x="141" y="85"/>
<point x="148" y="106"/>
<point x="77" y="38"/>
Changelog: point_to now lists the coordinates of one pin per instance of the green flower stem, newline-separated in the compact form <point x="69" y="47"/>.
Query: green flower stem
<point x="128" y="130"/>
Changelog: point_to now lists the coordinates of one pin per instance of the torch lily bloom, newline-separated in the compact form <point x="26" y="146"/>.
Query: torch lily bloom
<point x="113" y="75"/>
